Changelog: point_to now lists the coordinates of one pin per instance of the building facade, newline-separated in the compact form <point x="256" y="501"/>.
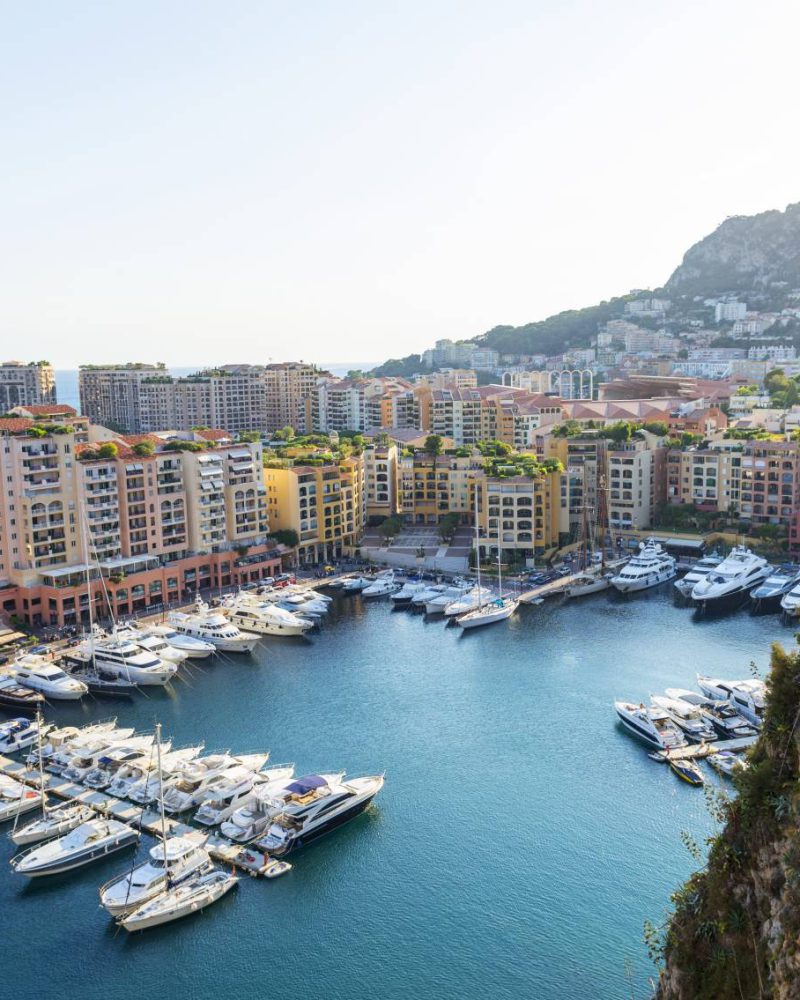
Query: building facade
<point x="26" y="384"/>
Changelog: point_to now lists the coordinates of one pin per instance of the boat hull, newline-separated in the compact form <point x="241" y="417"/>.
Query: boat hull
<point x="324" y="828"/>
<point x="58" y="865"/>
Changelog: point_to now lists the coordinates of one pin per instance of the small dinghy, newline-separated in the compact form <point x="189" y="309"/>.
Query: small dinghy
<point x="191" y="896"/>
<point x="687" y="771"/>
<point x="728" y="763"/>
<point x="276" y="868"/>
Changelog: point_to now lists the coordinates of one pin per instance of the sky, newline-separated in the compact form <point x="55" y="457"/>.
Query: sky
<point x="200" y="183"/>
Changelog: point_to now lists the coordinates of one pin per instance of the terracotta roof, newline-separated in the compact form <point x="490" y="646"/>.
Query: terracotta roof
<point x="133" y="439"/>
<point x="13" y="425"/>
<point x="213" y="435"/>
<point x="41" y="410"/>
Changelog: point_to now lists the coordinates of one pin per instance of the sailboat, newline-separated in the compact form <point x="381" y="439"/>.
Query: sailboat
<point x="593" y="577"/>
<point x="497" y="609"/>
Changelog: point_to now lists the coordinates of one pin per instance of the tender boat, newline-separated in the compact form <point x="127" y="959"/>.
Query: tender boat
<point x="16" y="798"/>
<point x="781" y="581"/>
<point x="651" y="725"/>
<point x="20" y="733"/>
<point x="168" y="865"/>
<point x="190" y="785"/>
<point x="735" y="577"/>
<point x="687" y="771"/>
<point x="190" y="896"/>
<point x="698" y="572"/>
<point x="122" y="659"/>
<point x="650" y="567"/>
<point x="314" y="808"/>
<point x="195" y="649"/>
<point x="20" y="698"/>
<point x="727" y="762"/>
<point x="91" y="841"/>
<point x="213" y="627"/>
<point x="40" y="674"/>
<point x="52" y="823"/>
<point x="263" y="618"/>
<point x="747" y="697"/>
<point x="688" y="717"/>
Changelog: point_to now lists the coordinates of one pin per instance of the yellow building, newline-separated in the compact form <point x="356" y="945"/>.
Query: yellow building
<point x="432" y="487"/>
<point x="381" y="478"/>
<point x="519" y="514"/>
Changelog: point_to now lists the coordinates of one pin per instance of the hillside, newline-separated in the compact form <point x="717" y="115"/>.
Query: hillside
<point x="734" y="931"/>
<point x="756" y="257"/>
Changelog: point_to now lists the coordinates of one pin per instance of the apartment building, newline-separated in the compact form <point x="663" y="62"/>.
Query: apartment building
<point x="341" y="405"/>
<point x="456" y="414"/>
<point x="449" y="378"/>
<point x="381" y="481"/>
<point x="26" y="384"/>
<point x="325" y="504"/>
<point x="514" y="417"/>
<point x="291" y="395"/>
<point x="636" y="476"/>
<point x="584" y="477"/>
<point x="708" y="478"/>
<point x="110" y="394"/>
<point x="431" y="487"/>
<point x="151" y="523"/>
<point x="518" y="514"/>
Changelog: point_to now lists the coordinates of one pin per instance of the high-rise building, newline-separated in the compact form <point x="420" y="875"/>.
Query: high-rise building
<point x="26" y="384"/>
<point x="111" y="394"/>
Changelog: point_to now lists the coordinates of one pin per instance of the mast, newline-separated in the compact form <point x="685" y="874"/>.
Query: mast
<point x="478" y="548"/>
<point x="41" y="763"/>
<point x="84" y="546"/>
<point x="500" y="571"/>
<point x="585" y="534"/>
<point x="161" y="799"/>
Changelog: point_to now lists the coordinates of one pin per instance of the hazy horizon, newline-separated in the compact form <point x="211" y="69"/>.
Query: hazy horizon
<point x="278" y="183"/>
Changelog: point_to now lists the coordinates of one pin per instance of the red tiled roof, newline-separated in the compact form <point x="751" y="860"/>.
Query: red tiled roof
<point x="42" y="410"/>
<point x="13" y="425"/>
<point x="212" y="435"/>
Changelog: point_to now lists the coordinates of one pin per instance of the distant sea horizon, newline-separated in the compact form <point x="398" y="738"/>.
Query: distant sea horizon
<point x="67" y="378"/>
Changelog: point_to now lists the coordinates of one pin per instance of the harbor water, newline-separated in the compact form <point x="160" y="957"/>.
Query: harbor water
<point x="519" y="843"/>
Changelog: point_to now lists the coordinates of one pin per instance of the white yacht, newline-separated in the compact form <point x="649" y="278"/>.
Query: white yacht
<point x="17" y="734"/>
<point x="727" y="722"/>
<point x="91" y="841"/>
<point x="119" y="657"/>
<point x="300" y="602"/>
<point x="747" y="697"/>
<point x="468" y="601"/>
<point x="698" y="572"/>
<point x="781" y="581"/>
<point x="650" y="567"/>
<point x="591" y="581"/>
<point x="457" y="590"/>
<point x="41" y="674"/>
<point x="354" y="584"/>
<point x="253" y="819"/>
<point x="651" y="725"/>
<point x="496" y="610"/>
<point x="735" y="576"/>
<point x="432" y="591"/>
<point x="190" y="785"/>
<point x="265" y="618"/>
<point x="139" y="781"/>
<point x="689" y="718"/>
<point x="195" y="649"/>
<point x="408" y="591"/>
<point x="382" y="585"/>
<point x="213" y="627"/>
<point x="234" y="789"/>
<point x="16" y="798"/>
<point x="114" y="760"/>
<point x="314" y="808"/>
<point x="52" y="823"/>
<point x="66" y="740"/>
<point x="86" y="760"/>
<point x="168" y="864"/>
<point x="150" y="642"/>
<point x="195" y="893"/>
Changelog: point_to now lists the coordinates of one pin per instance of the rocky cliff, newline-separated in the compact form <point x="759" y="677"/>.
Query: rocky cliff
<point x="735" y="929"/>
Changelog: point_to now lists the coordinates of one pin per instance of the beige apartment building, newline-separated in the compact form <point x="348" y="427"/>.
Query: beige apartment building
<point x="26" y="384"/>
<point x="636" y="481"/>
<point x="518" y="514"/>
<point x="381" y="480"/>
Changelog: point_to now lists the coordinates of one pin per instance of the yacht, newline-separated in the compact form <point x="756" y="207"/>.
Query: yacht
<point x="354" y="584"/>
<point x="267" y="619"/>
<point x="121" y="658"/>
<point x="234" y="789"/>
<point x="781" y="581"/>
<point x="195" y="649"/>
<point x="252" y="820"/>
<point x="16" y="798"/>
<point x="698" y="572"/>
<point x="457" y="590"/>
<point x="168" y="864"/>
<point x="98" y="681"/>
<point x="590" y="581"/>
<point x="689" y="718"/>
<point x="727" y="722"/>
<point x="190" y="896"/>
<point x="382" y="585"/>
<point x="139" y="780"/>
<point x="190" y="785"/>
<point x="66" y="738"/>
<point x="20" y="733"/>
<point x="314" y="808"/>
<point x="83" y="762"/>
<point x="213" y="627"/>
<point x="746" y="696"/>
<point x="18" y="697"/>
<point x="651" y="725"/>
<point x="433" y="590"/>
<point x="496" y="610"/>
<point x="727" y="762"/>
<point x="735" y="576"/>
<point x="468" y="601"/>
<point x="52" y="823"/>
<point x="301" y="602"/>
<point x="407" y="592"/>
<point x="150" y="642"/>
<point x="650" y="567"/>
<point x="91" y="841"/>
<point x="41" y="674"/>
<point x="112" y="762"/>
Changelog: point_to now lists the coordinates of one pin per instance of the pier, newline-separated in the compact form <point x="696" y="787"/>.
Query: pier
<point x="697" y="751"/>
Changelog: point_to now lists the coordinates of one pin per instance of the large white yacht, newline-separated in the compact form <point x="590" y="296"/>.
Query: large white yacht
<point x="139" y="780"/>
<point x="651" y="725"/>
<point x="196" y="649"/>
<point x="314" y="808"/>
<point x="179" y="858"/>
<point x="690" y="718"/>
<point x="150" y="642"/>
<point x="213" y="627"/>
<point x="40" y="674"/>
<point x="698" y="572"/>
<point x="746" y="697"/>
<point x="190" y="785"/>
<point x="781" y="581"/>
<point x="252" y="820"/>
<point x="85" y="760"/>
<point x="91" y="841"/>
<point x="735" y="576"/>
<point x="650" y="567"/>
<point x="119" y="657"/>
<point x="726" y="721"/>
<point x="264" y="618"/>
<point x="234" y="789"/>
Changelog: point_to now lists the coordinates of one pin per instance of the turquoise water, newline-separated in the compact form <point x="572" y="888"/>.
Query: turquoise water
<point x="518" y="845"/>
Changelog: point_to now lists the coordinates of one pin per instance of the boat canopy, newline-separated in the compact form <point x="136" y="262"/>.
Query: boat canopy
<point x="306" y="784"/>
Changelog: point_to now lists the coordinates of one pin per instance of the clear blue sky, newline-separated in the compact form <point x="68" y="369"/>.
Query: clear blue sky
<point x="197" y="182"/>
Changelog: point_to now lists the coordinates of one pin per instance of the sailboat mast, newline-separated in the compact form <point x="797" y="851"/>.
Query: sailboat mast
<point x="41" y="762"/>
<point x="477" y="546"/>
<point x="161" y="799"/>
<point x="85" y="547"/>
<point x="500" y="571"/>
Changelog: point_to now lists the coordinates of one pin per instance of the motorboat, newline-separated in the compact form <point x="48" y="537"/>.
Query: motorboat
<point x="382" y="585"/>
<point x="590" y="581"/>
<point x="90" y="745"/>
<point x="168" y="864"/>
<point x="354" y="584"/>
<point x="20" y="698"/>
<point x="234" y="789"/>
<point x="109" y="765"/>
<point x="496" y="610"/>
<point x="747" y="697"/>
<point x="433" y="590"/>
<point x="650" y="567"/>
<point x="98" y="681"/>
<point x="687" y="771"/>
<point x="65" y="738"/>
<point x="91" y="841"/>
<point x="300" y="602"/>
<point x="191" y="784"/>
<point x="40" y="674"/>
<point x="123" y="659"/>
<point x="688" y="717"/>
<point x="314" y="808"/>
<point x="16" y="798"/>
<point x="468" y="601"/>
<point x="699" y="571"/>
<point x="651" y="725"/>
<point x="52" y="823"/>
<point x="152" y="643"/>
<point x="727" y="722"/>
<point x="195" y="649"/>
<point x="735" y="577"/>
<point x="83" y="762"/>
<point x="409" y="590"/>
<point x="252" y="820"/>
<point x="139" y="780"/>
<point x="781" y="581"/>
<point x="267" y="619"/>
<point x="727" y="763"/>
<point x="213" y="627"/>
<point x="437" y="604"/>
<point x="17" y="734"/>
<point x="190" y="896"/>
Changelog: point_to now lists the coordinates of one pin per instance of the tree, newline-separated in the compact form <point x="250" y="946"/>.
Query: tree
<point x="434" y="445"/>
<point x="776" y="381"/>
<point x="144" y="449"/>
<point x="286" y="536"/>
<point x="285" y="434"/>
<point x="657" y="427"/>
<point x="250" y="436"/>
<point x="390" y="528"/>
<point x="447" y="526"/>
<point x="108" y="450"/>
<point x="619" y="432"/>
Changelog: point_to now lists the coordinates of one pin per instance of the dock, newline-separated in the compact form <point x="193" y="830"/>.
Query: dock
<point x="554" y="587"/>
<point x="696" y="751"/>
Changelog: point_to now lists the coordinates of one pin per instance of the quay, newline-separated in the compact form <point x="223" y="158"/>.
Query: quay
<point x="697" y="751"/>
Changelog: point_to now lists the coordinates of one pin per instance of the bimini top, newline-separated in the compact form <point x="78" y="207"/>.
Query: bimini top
<point x="306" y="784"/>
